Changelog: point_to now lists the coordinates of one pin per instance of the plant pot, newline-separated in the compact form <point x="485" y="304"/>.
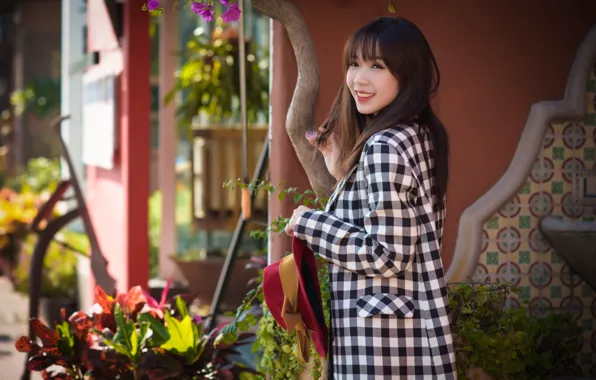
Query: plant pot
<point x="202" y="276"/>
<point x="50" y="308"/>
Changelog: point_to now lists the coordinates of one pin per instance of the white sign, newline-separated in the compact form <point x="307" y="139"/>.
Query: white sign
<point x="99" y="120"/>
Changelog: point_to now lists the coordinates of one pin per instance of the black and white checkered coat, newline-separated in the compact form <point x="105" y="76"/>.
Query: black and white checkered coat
<point x="389" y="311"/>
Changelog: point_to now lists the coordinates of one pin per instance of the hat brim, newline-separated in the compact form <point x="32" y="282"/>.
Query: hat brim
<point x="273" y="292"/>
<point x="310" y="304"/>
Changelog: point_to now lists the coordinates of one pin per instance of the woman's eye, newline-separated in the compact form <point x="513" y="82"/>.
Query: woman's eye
<point x="353" y="64"/>
<point x="377" y="66"/>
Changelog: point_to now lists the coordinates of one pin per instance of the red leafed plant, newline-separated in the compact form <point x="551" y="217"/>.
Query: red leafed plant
<point x="132" y="336"/>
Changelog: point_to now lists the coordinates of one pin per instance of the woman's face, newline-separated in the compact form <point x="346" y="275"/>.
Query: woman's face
<point x="372" y="84"/>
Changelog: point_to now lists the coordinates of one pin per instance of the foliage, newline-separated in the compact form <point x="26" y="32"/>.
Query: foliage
<point x="204" y="8"/>
<point x="59" y="276"/>
<point x="40" y="175"/>
<point x="209" y="80"/>
<point x="279" y="349"/>
<point x="508" y="343"/>
<point x="132" y="336"/>
<point x="21" y="199"/>
<point x="42" y="96"/>
<point x="17" y="210"/>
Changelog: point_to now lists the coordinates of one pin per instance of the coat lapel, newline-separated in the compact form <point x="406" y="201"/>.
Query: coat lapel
<point x="338" y="189"/>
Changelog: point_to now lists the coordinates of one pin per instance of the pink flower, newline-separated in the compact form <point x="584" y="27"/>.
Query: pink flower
<point x="204" y="10"/>
<point x="232" y="14"/>
<point x="153" y="5"/>
<point x="225" y="3"/>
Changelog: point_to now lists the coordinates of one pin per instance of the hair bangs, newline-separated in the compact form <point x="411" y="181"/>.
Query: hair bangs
<point x="363" y="45"/>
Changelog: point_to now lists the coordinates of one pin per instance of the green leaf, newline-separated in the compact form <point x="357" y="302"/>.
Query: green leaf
<point x="66" y="342"/>
<point x="182" y="336"/>
<point x="390" y="8"/>
<point x="144" y="332"/>
<point x="159" y="332"/>
<point x="181" y="306"/>
<point x="134" y="343"/>
<point x="119" y="347"/>
<point x="297" y="198"/>
<point x="243" y="325"/>
<point x="250" y="319"/>
<point x="124" y="329"/>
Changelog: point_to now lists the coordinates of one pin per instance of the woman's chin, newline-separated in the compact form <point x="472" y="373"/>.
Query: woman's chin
<point x="367" y="110"/>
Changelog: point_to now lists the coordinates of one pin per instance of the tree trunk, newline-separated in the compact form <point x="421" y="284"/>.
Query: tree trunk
<point x="301" y="113"/>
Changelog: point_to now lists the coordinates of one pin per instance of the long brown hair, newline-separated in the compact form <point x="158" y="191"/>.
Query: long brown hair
<point x="407" y="54"/>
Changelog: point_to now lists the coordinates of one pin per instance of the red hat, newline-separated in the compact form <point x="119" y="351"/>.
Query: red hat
<point x="293" y="296"/>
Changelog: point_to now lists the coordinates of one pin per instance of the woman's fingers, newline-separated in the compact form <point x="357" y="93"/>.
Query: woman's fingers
<point x="312" y="138"/>
<point x="327" y="146"/>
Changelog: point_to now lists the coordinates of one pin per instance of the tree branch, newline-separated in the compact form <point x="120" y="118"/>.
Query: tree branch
<point x="301" y="113"/>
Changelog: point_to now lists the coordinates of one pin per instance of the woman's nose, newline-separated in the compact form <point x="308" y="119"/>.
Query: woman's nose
<point x="360" y="78"/>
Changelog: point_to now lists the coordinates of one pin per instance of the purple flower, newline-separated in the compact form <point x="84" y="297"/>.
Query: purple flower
<point x="204" y="10"/>
<point x="232" y="14"/>
<point x="225" y="3"/>
<point x="153" y="5"/>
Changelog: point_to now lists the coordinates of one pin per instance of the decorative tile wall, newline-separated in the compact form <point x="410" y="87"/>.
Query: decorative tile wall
<point x="513" y="248"/>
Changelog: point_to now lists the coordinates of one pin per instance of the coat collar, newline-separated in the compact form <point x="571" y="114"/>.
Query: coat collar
<point x="338" y="189"/>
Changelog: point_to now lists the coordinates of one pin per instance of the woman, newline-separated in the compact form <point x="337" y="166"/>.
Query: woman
<point x="382" y="227"/>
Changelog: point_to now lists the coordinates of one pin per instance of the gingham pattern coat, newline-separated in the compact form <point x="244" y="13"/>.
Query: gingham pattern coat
<point x="389" y="307"/>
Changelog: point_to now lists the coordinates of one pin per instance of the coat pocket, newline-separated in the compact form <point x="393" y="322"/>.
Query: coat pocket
<point x="385" y="303"/>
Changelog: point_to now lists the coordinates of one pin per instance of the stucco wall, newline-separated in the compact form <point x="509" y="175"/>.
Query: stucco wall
<point x="496" y="59"/>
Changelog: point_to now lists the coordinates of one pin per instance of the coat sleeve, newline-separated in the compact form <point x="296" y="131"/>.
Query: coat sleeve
<point x="386" y="243"/>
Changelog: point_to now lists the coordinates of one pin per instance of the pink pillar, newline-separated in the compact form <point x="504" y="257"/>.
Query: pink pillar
<point x="118" y="198"/>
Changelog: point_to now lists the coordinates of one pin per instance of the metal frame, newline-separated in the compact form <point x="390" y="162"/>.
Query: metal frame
<point x="234" y="244"/>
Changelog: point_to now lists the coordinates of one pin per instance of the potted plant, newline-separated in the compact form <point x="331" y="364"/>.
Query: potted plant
<point x="134" y="337"/>
<point x="208" y="80"/>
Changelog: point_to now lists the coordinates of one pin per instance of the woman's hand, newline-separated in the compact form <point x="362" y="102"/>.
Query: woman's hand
<point x="330" y="150"/>
<point x="289" y="230"/>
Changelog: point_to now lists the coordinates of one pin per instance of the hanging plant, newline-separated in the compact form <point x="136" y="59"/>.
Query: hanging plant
<point x="204" y="9"/>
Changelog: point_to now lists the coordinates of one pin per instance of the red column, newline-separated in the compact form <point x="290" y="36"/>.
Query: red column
<point x="135" y="139"/>
<point x="118" y="198"/>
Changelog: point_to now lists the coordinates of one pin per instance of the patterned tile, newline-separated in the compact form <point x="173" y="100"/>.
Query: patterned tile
<point x="557" y="291"/>
<point x="514" y="249"/>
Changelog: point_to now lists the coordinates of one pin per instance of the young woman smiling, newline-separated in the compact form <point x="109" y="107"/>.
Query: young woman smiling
<point x="382" y="228"/>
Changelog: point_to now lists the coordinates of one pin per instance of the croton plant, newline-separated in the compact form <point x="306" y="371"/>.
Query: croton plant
<point x="132" y="336"/>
